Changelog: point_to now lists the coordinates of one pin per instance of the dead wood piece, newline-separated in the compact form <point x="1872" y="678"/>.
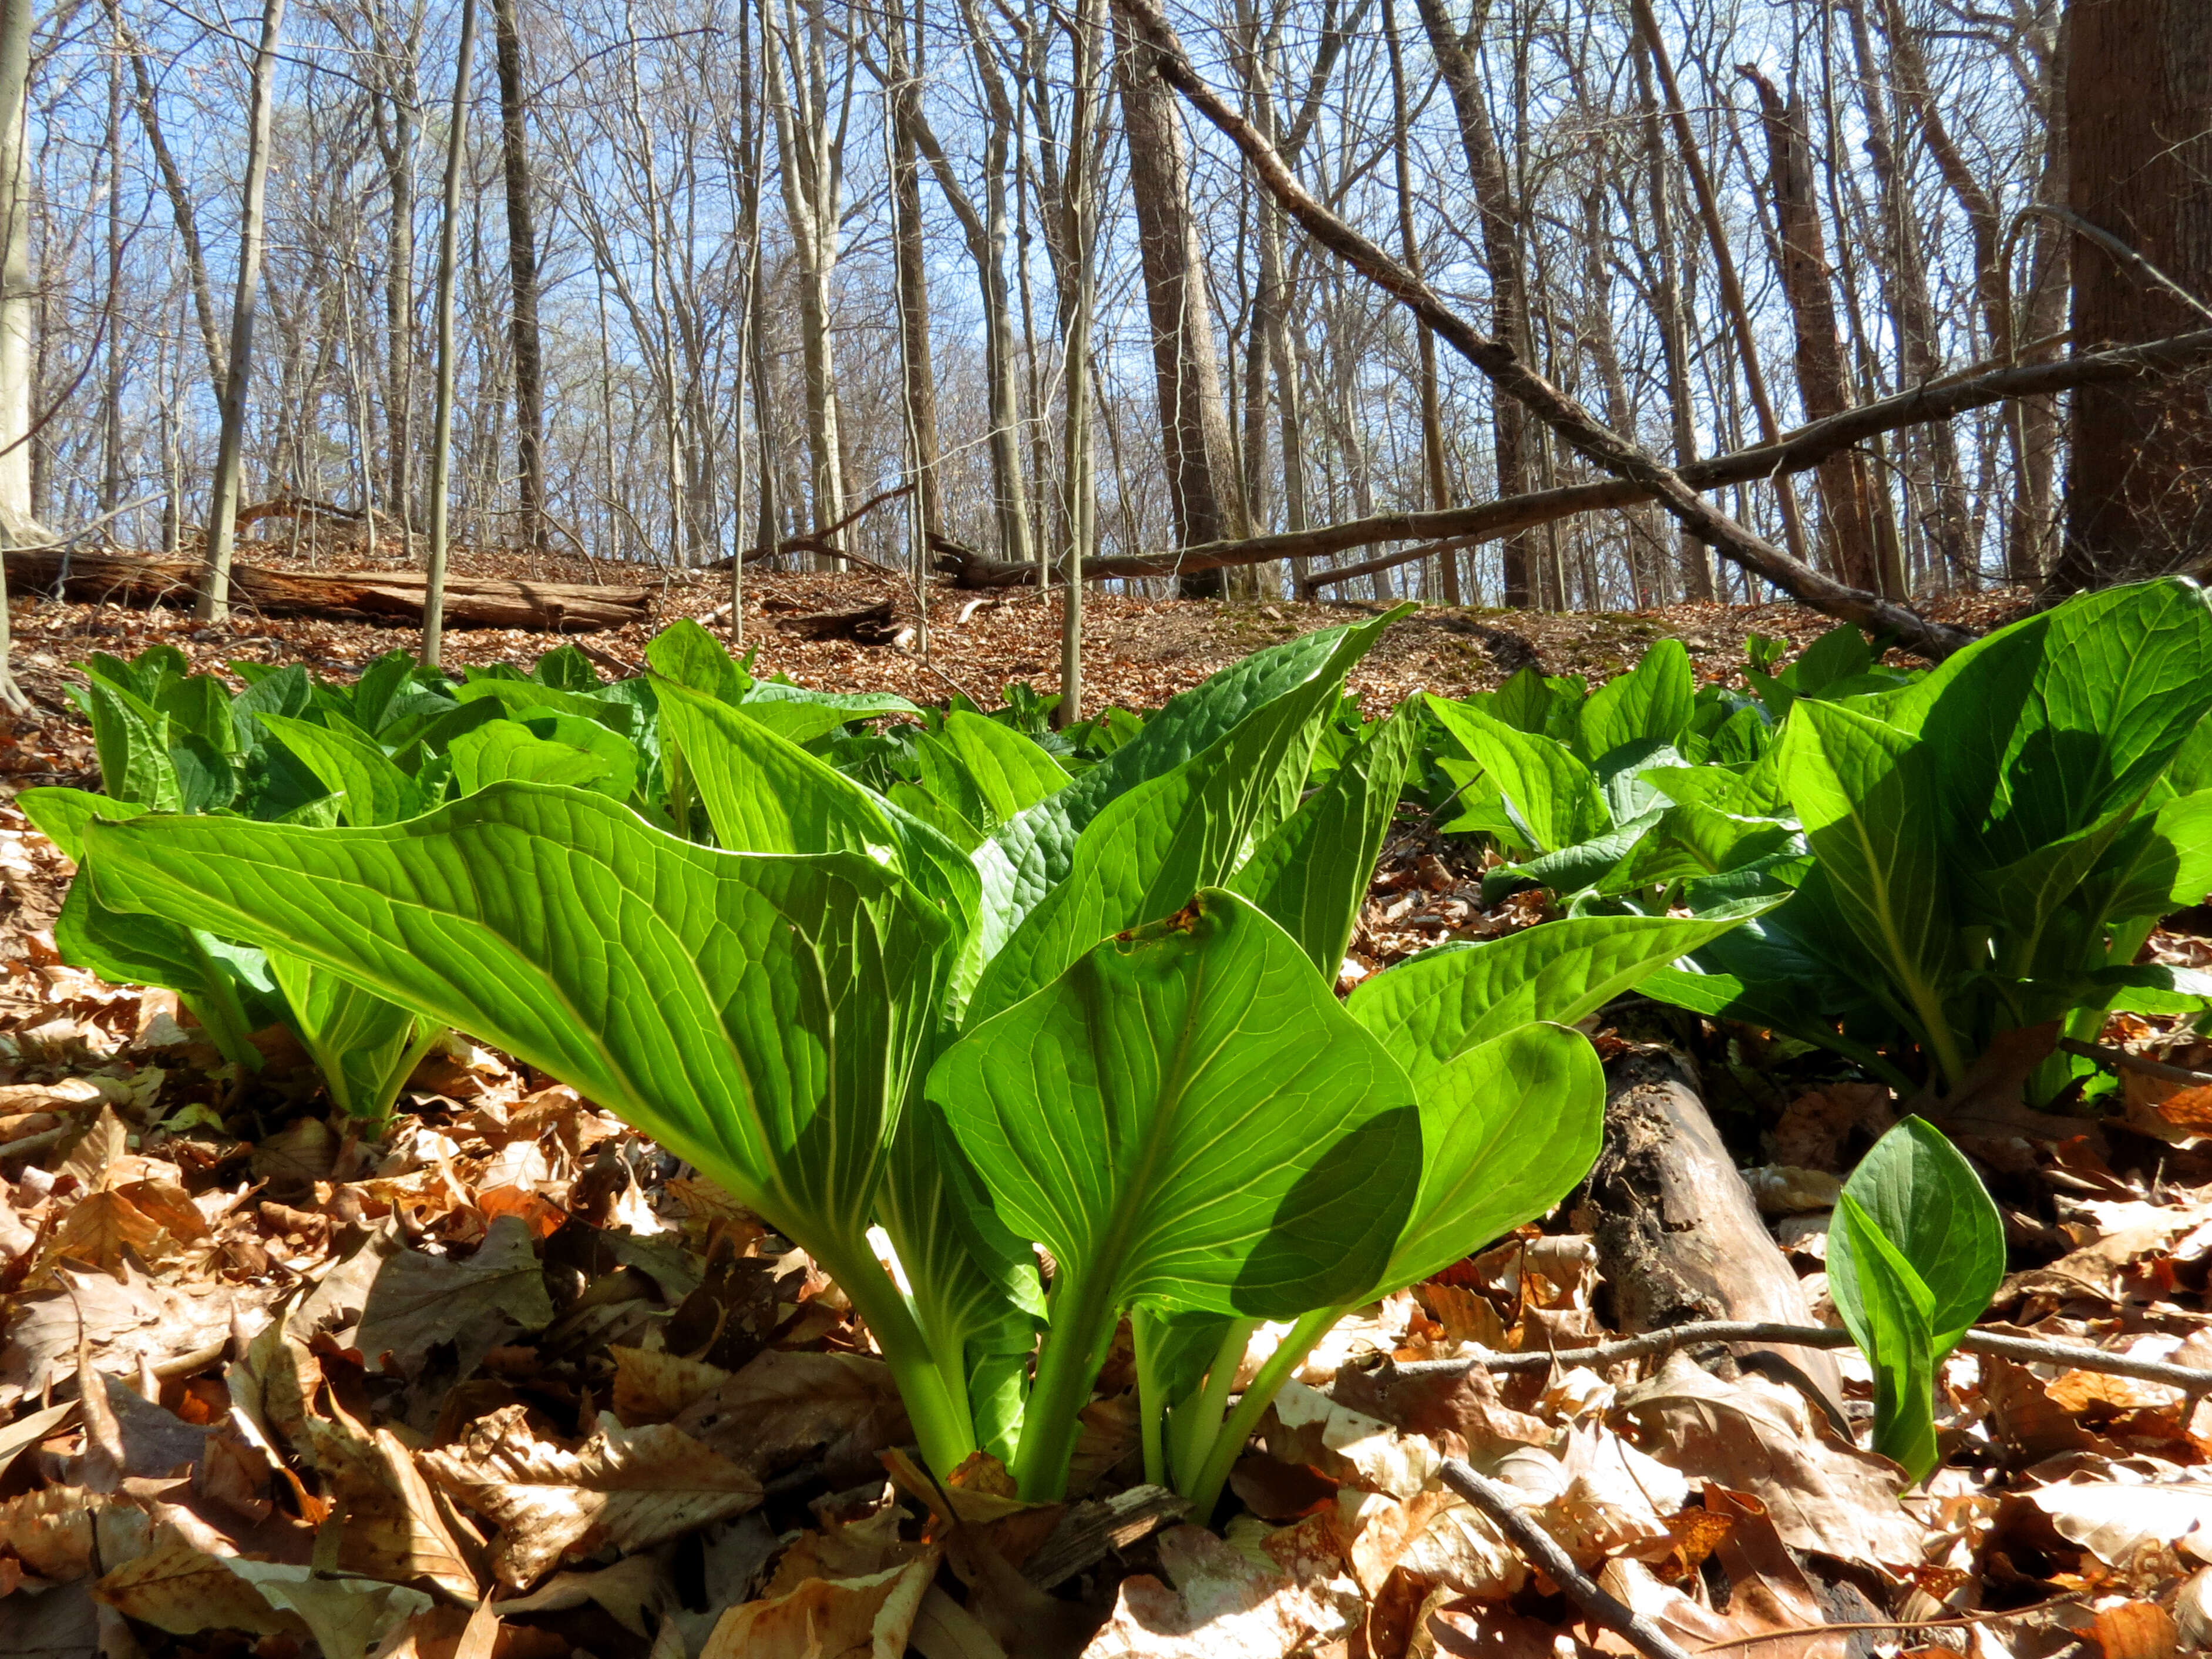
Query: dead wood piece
<point x="1090" y="1529"/>
<point x="871" y="625"/>
<point x="341" y="595"/>
<point x="1679" y="1238"/>
<point x="1504" y="1511"/>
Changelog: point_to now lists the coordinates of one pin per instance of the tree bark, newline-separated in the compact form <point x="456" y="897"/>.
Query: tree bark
<point x="1823" y="387"/>
<point x="919" y="371"/>
<point x="522" y="271"/>
<point x="442" y="440"/>
<point x="2139" y="147"/>
<point x="214" y="590"/>
<point x="1200" y="451"/>
<point x="1695" y="564"/>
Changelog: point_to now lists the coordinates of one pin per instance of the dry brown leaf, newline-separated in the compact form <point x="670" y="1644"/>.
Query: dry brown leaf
<point x="631" y="1591"/>
<point x="863" y="1618"/>
<point x="183" y="1590"/>
<point x="844" y="1549"/>
<point x="1758" y="1437"/>
<point x="1434" y="1537"/>
<point x="125" y="1320"/>
<point x="652" y="1386"/>
<point x="2137" y="1630"/>
<point x="1768" y="1593"/>
<point x="392" y="1527"/>
<point x="418" y="1301"/>
<point x="1304" y="1426"/>
<point x="624" y="1488"/>
<point x="104" y="1145"/>
<point x="346" y="1616"/>
<point x="781" y="1408"/>
<point x="1224" y="1605"/>
<point x="2130" y="1526"/>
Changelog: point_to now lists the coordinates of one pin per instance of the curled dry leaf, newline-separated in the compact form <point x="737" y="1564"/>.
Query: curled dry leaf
<point x="125" y="1319"/>
<point x="346" y="1616"/>
<point x="623" y="1488"/>
<point x="2130" y="1526"/>
<point x="781" y="1408"/>
<point x="1758" y="1437"/>
<point x="1306" y="1426"/>
<point x="392" y="1525"/>
<point x="653" y="1385"/>
<point x="1768" y="1593"/>
<point x="865" y="1618"/>
<point x="183" y="1590"/>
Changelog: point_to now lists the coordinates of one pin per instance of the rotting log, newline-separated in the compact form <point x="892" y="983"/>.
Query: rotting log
<point x="1679" y="1238"/>
<point x="384" y="596"/>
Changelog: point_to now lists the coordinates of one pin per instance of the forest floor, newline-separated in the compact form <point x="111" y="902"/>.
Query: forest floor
<point x="512" y="1347"/>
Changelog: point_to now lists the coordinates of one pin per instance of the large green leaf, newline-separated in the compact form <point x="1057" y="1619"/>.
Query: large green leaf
<point x="370" y="788"/>
<point x="1928" y="1201"/>
<point x="2049" y="725"/>
<point x="2157" y="863"/>
<point x="1431" y="1009"/>
<point x="687" y="653"/>
<point x="1187" y="1120"/>
<point x="765" y="794"/>
<point x="1886" y="1309"/>
<point x="1313" y="873"/>
<point x="1027" y="857"/>
<point x="1552" y="796"/>
<point x="1155" y="845"/>
<point x="131" y="740"/>
<point x="499" y="750"/>
<point x="1010" y="773"/>
<point x="750" y="1011"/>
<point x="1652" y="704"/>
<point x="1507" y="1129"/>
<point x="1866" y="796"/>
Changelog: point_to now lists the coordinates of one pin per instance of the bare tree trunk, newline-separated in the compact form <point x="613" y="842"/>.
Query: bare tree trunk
<point x="214" y="603"/>
<point x="522" y="269"/>
<point x="1732" y="300"/>
<point x="913" y="276"/>
<point x="1433" y="465"/>
<point x="1914" y="310"/>
<point x="1695" y="564"/>
<point x="398" y="144"/>
<point x="2139" y="150"/>
<point x="442" y="440"/>
<point x="1823" y="388"/>
<point x="812" y="169"/>
<point x="1201" y="455"/>
<point x="180" y="198"/>
<point x="1080" y="199"/>
<point x="18" y="314"/>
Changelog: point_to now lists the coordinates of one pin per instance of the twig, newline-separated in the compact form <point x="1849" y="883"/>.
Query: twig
<point x="1964" y="1620"/>
<point x="1653" y="1344"/>
<point x="1505" y="1509"/>
<point x="2110" y="1058"/>
<point x="188" y="1364"/>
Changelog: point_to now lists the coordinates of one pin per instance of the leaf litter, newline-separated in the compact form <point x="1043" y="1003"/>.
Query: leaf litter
<point x="505" y="1379"/>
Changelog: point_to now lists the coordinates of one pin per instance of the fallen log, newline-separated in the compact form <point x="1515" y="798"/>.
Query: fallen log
<point x="386" y="596"/>
<point x="871" y="624"/>
<point x="1680" y="1239"/>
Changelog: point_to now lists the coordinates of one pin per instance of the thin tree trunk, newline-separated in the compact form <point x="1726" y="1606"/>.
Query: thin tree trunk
<point x="441" y="439"/>
<point x="1801" y="255"/>
<point x="913" y="277"/>
<point x="1695" y="563"/>
<point x="1732" y="300"/>
<point x="1079" y="194"/>
<point x="1433" y="461"/>
<point x="522" y="269"/>
<point x="1201" y="456"/>
<point x="214" y="604"/>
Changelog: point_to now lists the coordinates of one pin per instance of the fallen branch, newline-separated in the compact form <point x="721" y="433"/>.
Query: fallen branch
<point x="1505" y="1511"/>
<point x="1655" y="1343"/>
<point x="1515" y="378"/>
<point x="821" y="542"/>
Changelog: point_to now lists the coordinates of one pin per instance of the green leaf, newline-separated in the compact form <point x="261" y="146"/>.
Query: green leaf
<point x="364" y="1046"/>
<point x="1508" y="1128"/>
<point x="286" y="690"/>
<point x="2159" y="863"/>
<point x="566" y="669"/>
<point x="687" y="653"/>
<point x="800" y="715"/>
<point x="765" y="794"/>
<point x="508" y="749"/>
<point x="1929" y="1203"/>
<point x="1011" y="773"/>
<point x="371" y="789"/>
<point x="1864" y="792"/>
<point x="199" y="704"/>
<point x="1652" y="704"/>
<point x="1154" y="846"/>
<point x="1841" y="654"/>
<point x="1552" y="796"/>
<point x="1885" y="1309"/>
<point x="1312" y="875"/>
<point x="523" y="697"/>
<point x="227" y="988"/>
<point x="1188" y="1121"/>
<point x="1433" y="1008"/>
<point x="1028" y="857"/>
<point x="132" y="743"/>
<point x="2049" y="725"/>
<point x="379" y="688"/>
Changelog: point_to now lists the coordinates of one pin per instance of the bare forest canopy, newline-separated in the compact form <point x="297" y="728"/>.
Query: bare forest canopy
<point x="1577" y="304"/>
